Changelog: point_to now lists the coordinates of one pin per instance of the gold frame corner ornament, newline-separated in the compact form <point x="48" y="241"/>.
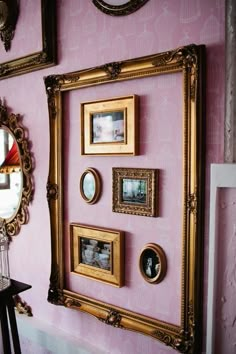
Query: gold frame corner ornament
<point x="12" y="122"/>
<point x="44" y="58"/>
<point x="190" y="62"/>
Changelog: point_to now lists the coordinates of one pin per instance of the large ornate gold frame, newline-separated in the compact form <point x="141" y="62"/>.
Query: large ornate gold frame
<point x="12" y="123"/>
<point x="188" y="60"/>
<point x="38" y="60"/>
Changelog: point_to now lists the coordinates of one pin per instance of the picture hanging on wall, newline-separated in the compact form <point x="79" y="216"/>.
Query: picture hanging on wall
<point x="109" y="127"/>
<point x="90" y="185"/>
<point x="98" y="253"/>
<point x="152" y="263"/>
<point x="134" y="191"/>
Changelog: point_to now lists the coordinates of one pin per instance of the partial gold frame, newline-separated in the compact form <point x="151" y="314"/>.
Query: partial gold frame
<point x="129" y="106"/>
<point x="97" y="185"/>
<point x="114" y="276"/>
<point x="12" y="124"/>
<point x="188" y="60"/>
<point x="38" y="60"/>
<point x="150" y="176"/>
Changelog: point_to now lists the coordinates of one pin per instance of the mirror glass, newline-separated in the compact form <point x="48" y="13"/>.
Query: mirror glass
<point x="11" y="178"/>
<point x="89" y="185"/>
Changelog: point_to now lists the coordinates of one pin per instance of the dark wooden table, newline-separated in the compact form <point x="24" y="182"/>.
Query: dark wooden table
<point x="7" y="306"/>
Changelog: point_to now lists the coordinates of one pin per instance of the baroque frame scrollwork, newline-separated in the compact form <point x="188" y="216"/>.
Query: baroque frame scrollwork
<point x="12" y="123"/>
<point x="189" y="61"/>
<point x="38" y="60"/>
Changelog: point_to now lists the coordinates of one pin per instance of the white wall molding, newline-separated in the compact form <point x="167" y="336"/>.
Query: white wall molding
<point x="222" y="176"/>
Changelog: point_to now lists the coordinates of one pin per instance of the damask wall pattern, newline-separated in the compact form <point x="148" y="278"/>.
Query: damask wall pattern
<point x="86" y="38"/>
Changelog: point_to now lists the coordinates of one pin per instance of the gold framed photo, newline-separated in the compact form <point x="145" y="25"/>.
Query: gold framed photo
<point x="109" y="127"/>
<point x="152" y="263"/>
<point x="134" y="191"/>
<point x="98" y="253"/>
<point x="90" y="185"/>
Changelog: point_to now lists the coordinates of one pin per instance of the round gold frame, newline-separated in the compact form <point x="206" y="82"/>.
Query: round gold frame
<point x="119" y="10"/>
<point x="97" y="186"/>
<point x="158" y="270"/>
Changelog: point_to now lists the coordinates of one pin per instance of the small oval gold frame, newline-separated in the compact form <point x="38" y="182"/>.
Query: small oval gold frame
<point x="157" y="269"/>
<point x="97" y="187"/>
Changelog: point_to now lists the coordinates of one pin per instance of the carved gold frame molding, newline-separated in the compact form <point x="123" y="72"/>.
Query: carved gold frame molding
<point x="189" y="60"/>
<point x="12" y="123"/>
<point x="38" y="60"/>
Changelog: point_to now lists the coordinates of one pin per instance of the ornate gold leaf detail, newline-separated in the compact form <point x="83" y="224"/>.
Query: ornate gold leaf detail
<point x="55" y="294"/>
<point x="21" y="306"/>
<point x="113" y="319"/>
<point x="71" y="303"/>
<point x="192" y="203"/>
<point x="112" y="69"/>
<point x="52" y="191"/>
<point x="186" y="57"/>
<point x="12" y="122"/>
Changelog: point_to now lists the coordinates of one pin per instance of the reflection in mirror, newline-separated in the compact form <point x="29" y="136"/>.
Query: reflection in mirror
<point x="16" y="188"/>
<point x="10" y="175"/>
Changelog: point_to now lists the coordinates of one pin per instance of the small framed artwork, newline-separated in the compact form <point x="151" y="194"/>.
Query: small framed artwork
<point x="134" y="191"/>
<point x="152" y="263"/>
<point x="90" y="185"/>
<point x="109" y="127"/>
<point x="98" y="253"/>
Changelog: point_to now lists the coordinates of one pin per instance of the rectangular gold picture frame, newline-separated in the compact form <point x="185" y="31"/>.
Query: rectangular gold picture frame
<point x="189" y="62"/>
<point x="109" y="127"/>
<point x="98" y="253"/>
<point x="134" y="191"/>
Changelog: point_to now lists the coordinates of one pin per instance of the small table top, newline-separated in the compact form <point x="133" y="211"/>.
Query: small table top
<point x="15" y="288"/>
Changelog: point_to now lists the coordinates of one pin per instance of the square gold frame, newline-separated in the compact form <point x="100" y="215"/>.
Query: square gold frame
<point x="38" y="60"/>
<point x="149" y="206"/>
<point x="128" y="106"/>
<point x="190" y="62"/>
<point x="115" y="275"/>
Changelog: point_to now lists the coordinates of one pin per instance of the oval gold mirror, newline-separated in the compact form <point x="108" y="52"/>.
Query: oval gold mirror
<point x="16" y="189"/>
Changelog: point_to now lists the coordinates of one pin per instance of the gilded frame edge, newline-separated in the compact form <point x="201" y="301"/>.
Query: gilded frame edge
<point x="13" y="124"/>
<point x="39" y="60"/>
<point x="113" y="236"/>
<point x="151" y="175"/>
<point x="190" y="61"/>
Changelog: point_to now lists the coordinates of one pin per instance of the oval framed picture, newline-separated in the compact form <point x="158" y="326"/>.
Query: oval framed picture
<point x="90" y="185"/>
<point x="152" y="263"/>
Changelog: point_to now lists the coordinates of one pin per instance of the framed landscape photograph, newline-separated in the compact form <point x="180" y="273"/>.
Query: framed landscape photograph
<point x="109" y="127"/>
<point x="98" y="253"/>
<point x="152" y="263"/>
<point x="134" y="191"/>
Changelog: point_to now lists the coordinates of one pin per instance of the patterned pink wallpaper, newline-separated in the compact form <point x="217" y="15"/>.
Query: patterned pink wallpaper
<point x="87" y="38"/>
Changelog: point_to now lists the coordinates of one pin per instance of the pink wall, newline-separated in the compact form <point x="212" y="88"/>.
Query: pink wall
<point x="86" y="38"/>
